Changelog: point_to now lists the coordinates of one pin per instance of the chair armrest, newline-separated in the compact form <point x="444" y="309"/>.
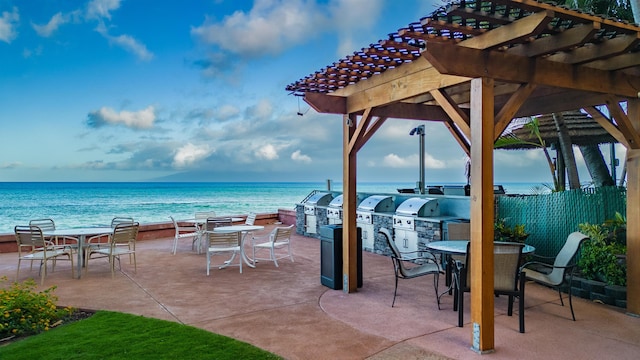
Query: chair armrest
<point x="541" y="257"/>
<point x="96" y="239"/>
<point x="525" y="265"/>
<point x="429" y="255"/>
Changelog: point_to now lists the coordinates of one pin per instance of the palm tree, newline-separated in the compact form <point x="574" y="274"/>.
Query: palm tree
<point x="534" y="127"/>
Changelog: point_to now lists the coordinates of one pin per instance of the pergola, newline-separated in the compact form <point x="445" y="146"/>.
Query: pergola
<point x="474" y="66"/>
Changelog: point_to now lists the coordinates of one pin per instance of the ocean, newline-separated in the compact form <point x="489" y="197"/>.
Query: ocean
<point x="77" y="204"/>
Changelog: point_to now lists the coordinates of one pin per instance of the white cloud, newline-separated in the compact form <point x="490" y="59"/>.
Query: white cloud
<point x="126" y="42"/>
<point x="190" y="154"/>
<point x="142" y="119"/>
<point x="227" y="112"/>
<point x="131" y="45"/>
<point x="268" y="28"/>
<point x="99" y="9"/>
<point x="262" y="110"/>
<point x="267" y="152"/>
<point x="53" y="25"/>
<point x="395" y="161"/>
<point x="299" y="157"/>
<point x="8" y="23"/>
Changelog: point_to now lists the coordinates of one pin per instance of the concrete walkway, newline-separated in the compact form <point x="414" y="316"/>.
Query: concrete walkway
<point x="287" y="311"/>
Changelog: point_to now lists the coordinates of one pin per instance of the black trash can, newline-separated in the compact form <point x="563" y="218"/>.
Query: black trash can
<point x="331" y="256"/>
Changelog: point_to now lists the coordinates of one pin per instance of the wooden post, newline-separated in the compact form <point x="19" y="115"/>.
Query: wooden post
<point x="482" y="216"/>
<point x="633" y="215"/>
<point x="349" y="234"/>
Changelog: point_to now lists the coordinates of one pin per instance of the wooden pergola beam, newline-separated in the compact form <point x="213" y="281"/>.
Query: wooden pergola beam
<point x="512" y="68"/>
<point x="561" y="42"/>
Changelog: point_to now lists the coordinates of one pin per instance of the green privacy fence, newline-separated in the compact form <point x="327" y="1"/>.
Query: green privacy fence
<point x="550" y="218"/>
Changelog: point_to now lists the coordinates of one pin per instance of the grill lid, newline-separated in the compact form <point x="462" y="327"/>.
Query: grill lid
<point x="420" y="207"/>
<point x="377" y="203"/>
<point x="319" y="199"/>
<point x="336" y="202"/>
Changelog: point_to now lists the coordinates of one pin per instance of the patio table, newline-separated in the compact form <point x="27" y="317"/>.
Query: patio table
<point x="81" y="234"/>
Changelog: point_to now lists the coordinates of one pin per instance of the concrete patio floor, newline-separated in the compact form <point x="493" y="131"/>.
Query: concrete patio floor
<point x="287" y="311"/>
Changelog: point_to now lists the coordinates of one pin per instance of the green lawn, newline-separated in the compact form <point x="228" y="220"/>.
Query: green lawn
<point x="112" y="335"/>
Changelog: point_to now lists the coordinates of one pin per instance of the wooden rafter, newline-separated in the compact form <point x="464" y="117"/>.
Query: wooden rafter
<point x="611" y="128"/>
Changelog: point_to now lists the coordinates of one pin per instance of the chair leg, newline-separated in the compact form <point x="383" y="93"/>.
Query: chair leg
<point x="560" y="295"/>
<point x="573" y="316"/>
<point x="460" y="307"/>
<point x="175" y="245"/>
<point x="435" y="286"/>
<point x="208" y="262"/>
<point x="395" y="273"/>
<point x="18" y="271"/>
<point x="521" y="303"/>
<point x="273" y="256"/>
<point x="395" y="292"/>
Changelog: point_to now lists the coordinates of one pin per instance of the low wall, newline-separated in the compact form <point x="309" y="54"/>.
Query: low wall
<point x="166" y="230"/>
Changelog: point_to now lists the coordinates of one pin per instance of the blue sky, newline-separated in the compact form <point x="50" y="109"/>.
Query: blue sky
<point x="138" y="90"/>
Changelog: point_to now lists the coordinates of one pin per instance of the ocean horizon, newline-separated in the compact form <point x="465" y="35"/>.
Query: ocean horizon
<point x="78" y="204"/>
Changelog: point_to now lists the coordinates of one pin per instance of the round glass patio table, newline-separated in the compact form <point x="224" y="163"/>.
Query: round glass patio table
<point x="459" y="247"/>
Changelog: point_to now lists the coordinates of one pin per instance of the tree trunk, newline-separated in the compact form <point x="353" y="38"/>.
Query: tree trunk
<point x="596" y="166"/>
<point x="567" y="151"/>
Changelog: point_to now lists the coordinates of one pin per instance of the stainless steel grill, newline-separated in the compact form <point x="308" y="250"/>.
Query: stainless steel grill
<point x="373" y="204"/>
<point x="310" y="216"/>
<point x="317" y="199"/>
<point x="412" y="208"/>
<point x="334" y="209"/>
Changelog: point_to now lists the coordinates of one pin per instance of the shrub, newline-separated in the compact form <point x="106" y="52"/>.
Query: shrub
<point x="502" y="232"/>
<point x="600" y="257"/>
<point x="24" y="311"/>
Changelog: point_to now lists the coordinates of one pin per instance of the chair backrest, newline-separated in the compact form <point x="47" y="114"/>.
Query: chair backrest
<point x="459" y="231"/>
<point x="120" y="220"/>
<point x="213" y="223"/>
<point x="125" y="233"/>
<point x="281" y="234"/>
<point x="566" y="255"/>
<point x="224" y="239"/>
<point x="396" y="256"/>
<point x="29" y="235"/>
<point x="175" y="225"/>
<point x="43" y="224"/>
<point x="506" y="265"/>
<point x="251" y="219"/>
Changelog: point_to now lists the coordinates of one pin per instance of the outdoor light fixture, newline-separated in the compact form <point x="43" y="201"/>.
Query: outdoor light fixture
<point x="419" y="130"/>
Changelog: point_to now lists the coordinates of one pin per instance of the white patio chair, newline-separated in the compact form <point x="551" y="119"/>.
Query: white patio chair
<point x="279" y="238"/>
<point x="185" y="232"/>
<point x="49" y="225"/>
<point x="39" y="249"/>
<point x="224" y="242"/>
<point x="122" y="242"/>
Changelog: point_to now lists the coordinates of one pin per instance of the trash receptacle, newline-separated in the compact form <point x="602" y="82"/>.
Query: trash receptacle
<point x="331" y="256"/>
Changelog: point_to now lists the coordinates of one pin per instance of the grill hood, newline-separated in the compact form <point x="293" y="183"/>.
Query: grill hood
<point x="319" y="199"/>
<point x="377" y="203"/>
<point x="419" y="207"/>
<point x="336" y="202"/>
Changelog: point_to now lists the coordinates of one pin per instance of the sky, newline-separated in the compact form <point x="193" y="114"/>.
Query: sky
<point x="194" y="90"/>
